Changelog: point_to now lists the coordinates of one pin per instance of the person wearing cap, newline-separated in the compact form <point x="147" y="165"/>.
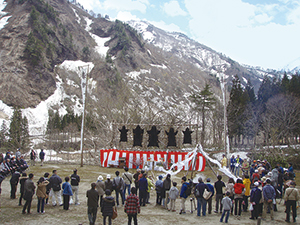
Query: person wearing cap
<point x="255" y="175"/>
<point x="269" y="195"/>
<point x="255" y="197"/>
<point x="100" y="187"/>
<point x="92" y="203"/>
<point x="75" y="179"/>
<point x="108" y="183"/>
<point x="291" y="197"/>
<point x="212" y="190"/>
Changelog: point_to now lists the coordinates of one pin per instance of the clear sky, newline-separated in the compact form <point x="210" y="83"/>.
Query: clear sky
<point x="262" y="33"/>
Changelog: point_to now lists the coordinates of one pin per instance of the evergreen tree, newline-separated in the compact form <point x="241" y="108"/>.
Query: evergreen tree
<point x="204" y="101"/>
<point x="18" y="131"/>
<point x="3" y="135"/>
<point x="235" y="110"/>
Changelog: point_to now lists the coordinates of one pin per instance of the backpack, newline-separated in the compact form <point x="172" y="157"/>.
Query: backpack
<point x="197" y="193"/>
<point x="188" y="190"/>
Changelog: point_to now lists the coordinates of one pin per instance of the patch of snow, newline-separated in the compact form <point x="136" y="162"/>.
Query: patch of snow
<point x="100" y="48"/>
<point x="77" y="17"/>
<point x="88" y="24"/>
<point x="134" y="74"/>
<point x="3" y="21"/>
<point x="38" y="116"/>
<point x="159" y="66"/>
<point x="72" y="83"/>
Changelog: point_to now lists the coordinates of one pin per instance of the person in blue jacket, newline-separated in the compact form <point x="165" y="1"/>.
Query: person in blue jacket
<point x="67" y="192"/>
<point x="183" y="195"/>
<point x="232" y="164"/>
<point x="212" y="190"/>
<point x="143" y="187"/>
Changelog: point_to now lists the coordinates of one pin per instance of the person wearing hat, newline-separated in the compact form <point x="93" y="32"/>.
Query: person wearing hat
<point x="269" y="195"/>
<point x="291" y="197"/>
<point x="255" y="197"/>
<point x="108" y="183"/>
<point x="100" y="187"/>
<point x="75" y="179"/>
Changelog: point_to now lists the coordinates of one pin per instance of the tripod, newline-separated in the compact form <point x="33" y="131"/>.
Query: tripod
<point x="192" y="200"/>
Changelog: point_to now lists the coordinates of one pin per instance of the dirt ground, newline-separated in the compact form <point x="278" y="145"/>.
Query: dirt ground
<point x="151" y="214"/>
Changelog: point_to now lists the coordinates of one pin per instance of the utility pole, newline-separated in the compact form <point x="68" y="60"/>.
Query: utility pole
<point x="84" y="93"/>
<point x="226" y="139"/>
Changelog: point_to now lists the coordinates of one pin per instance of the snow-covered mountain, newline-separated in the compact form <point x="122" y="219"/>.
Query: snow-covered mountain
<point x="130" y="79"/>
<point x="205" y="58"/>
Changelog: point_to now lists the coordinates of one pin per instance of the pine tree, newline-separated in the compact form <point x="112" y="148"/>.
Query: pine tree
<point x="204" y="101"/>
<point x="3" y="135"/>
<point x="235" y="110"/>
<point x="18" y="131"/>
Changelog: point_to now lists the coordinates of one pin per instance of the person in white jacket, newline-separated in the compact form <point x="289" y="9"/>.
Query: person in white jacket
<point x="173" y="195"/>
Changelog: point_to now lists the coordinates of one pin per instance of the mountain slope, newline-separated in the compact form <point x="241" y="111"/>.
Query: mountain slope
<point x="130" y="79"/>
<point x="206" y="59"/>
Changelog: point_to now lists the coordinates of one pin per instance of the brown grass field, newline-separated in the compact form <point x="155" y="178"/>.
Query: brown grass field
<point x="151" y="214"/>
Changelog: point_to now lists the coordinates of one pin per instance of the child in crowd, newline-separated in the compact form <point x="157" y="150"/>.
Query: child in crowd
<point x="173" y="194"/>
<point x="227" y="205"/>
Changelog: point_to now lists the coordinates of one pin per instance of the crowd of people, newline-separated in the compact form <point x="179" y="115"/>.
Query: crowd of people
<point x="256" y="190"/>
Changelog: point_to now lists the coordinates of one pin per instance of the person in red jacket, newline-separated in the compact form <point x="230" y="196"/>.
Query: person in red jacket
<point x="132" y="206"/>
<point x="238" y="196"/>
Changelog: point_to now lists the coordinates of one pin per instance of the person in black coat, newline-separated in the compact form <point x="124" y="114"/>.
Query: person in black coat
<point x="107" y="207"/>
<point x="42" y="156"/>
<point x="29" y="189"/>
<point x="22" y="183"/>
<point x="14" y="180"/>
<point x="92" y="202"/>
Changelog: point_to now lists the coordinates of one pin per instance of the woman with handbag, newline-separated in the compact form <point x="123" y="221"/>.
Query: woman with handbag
<point x="41" y="194"/>
<point x="107" y="207"/>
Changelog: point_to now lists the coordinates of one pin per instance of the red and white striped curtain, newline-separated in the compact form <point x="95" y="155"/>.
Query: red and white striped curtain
<point x="111" y="156"/>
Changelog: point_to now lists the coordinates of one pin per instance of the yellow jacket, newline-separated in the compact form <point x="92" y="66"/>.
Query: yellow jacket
<point x="150" y="184"/>
<point x="247" y="183"/>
